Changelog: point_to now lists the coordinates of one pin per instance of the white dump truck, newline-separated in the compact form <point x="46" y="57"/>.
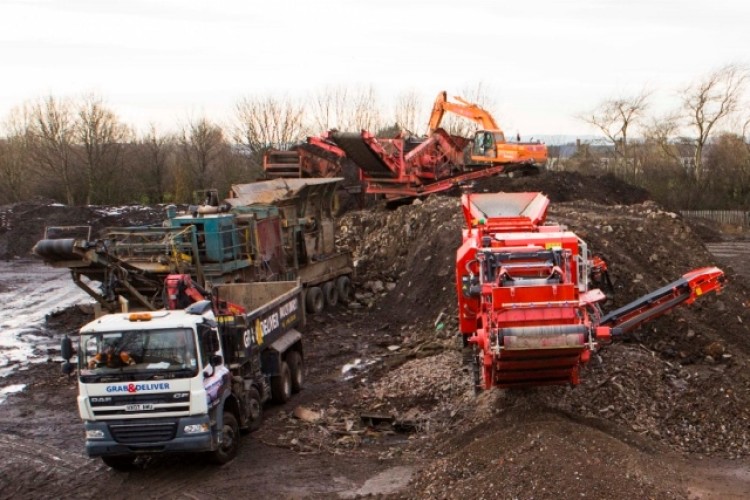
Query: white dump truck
<point x="187" y="380"/>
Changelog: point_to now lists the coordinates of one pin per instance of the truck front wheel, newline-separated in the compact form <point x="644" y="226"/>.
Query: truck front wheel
<point x="122" y="462"/>
<point x="281" y="384"/>
<point x="230" y="441"/>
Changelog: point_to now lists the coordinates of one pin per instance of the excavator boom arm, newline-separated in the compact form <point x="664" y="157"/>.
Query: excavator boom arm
<point x="462" y="108"/>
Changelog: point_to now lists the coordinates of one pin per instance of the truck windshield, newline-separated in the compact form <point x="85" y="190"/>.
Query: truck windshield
<point x="134" y="352"/>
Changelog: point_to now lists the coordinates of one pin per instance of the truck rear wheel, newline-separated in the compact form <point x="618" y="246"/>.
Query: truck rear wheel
<point x="122" y="462"/>
<point x="281" y="384"/>
<point x="344" y="287"/>
<point x="230" y="440"/>
<point x="314" y="300"/>
<point x="331" y="294"/>
<point x="296" y="369"/>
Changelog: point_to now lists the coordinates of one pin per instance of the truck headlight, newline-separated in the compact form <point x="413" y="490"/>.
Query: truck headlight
<point x="196" y="428"/>
<point x="94" y="434"/>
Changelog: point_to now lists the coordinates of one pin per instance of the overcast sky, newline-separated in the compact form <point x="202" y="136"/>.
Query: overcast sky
<point x="544" y="61"/>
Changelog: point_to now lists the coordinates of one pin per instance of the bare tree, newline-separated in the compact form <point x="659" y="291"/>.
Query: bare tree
<point x="614" y="117"/>
<point x="51" y="132"/>
<point x="101" y="137"/>
<point x="709" y="101"/>
<point x="364" y="110"/>
<point x="262" y="123"/>
<point x="154" y="152"/>
<point x="728" y="159"/>
<point x="660" y="133"/>
<point x="202" y="144"/>
<point x="409" y="111"/>
<point x="14" y="164"/>
<point x="327" y="108"/>
<point x="346" y="109"/>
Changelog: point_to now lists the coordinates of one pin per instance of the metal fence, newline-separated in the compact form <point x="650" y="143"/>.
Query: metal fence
<point x="730" y="217"/>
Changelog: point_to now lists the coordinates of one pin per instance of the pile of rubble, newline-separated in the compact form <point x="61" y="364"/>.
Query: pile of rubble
<point x="680" y="382"/>
<point x="406" y="256"/>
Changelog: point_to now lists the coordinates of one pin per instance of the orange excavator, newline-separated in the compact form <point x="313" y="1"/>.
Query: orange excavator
<point x="489" y="146"/>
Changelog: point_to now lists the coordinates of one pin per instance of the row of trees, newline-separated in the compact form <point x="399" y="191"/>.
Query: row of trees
<point x="78" y="151"/>
<point x="696" y="156"/>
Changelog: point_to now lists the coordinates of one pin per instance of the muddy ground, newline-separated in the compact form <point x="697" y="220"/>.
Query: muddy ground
<point x="388" y="409"/>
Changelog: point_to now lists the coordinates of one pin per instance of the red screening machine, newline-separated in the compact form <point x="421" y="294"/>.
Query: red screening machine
<point x="527" y="299"/>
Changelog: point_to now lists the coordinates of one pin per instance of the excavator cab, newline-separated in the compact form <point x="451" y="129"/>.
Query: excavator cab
<point x="482" y="143"/>
<point x="485" y="144"/>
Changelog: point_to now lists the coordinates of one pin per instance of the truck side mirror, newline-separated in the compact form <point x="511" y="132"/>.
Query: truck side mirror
<point x="68" y="368"/>
<point x="213" y="361"/>
<point x="66" y="348"/>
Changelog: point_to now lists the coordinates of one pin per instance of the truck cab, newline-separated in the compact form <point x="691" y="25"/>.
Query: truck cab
<point x="187" y="380"/>
<point x="152" y="382"/>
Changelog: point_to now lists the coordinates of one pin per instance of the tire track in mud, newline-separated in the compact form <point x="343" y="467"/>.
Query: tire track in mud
<point x="30" y="467"/>
<point x="185" y="477"/>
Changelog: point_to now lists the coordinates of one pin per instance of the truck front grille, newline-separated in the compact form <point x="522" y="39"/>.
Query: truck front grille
<point x="143" y="432"/>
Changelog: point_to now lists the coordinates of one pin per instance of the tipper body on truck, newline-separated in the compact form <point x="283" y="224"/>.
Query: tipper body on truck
<point x="189" y="380"/>
<point x="526" y="302"/>
<point x="265" y="231"/>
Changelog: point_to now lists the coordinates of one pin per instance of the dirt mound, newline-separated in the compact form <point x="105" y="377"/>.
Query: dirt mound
<point x="569" y="186"/>
<point x="513" y="447"/>
<point x="23" y="224"/>
<point x="411" y="250"/>
<point x="680" y="381"/>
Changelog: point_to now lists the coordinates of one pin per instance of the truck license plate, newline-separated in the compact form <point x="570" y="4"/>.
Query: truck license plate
<point x="143" y="407"/>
